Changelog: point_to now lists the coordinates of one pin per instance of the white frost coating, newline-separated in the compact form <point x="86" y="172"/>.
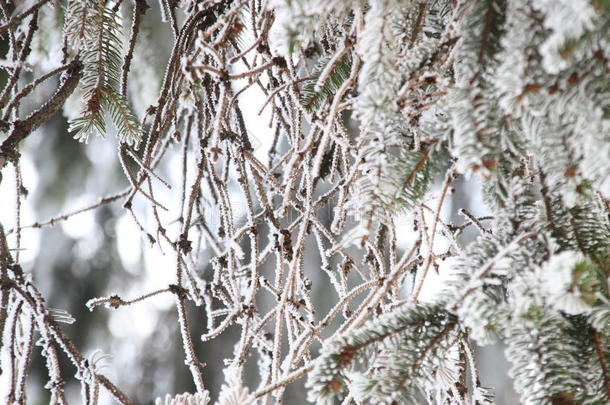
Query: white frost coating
<point x="200" y="398"/>
<point x="600" y="316"/>
<point x="567" y="19"/>
<point x="448" y="369"/>
<point x="296" y="20"/>
<point x="378" y="77"/>
<point x="376" y="109"/>
<point x="526" y="294"/>
<point x="549" y="285"/>
<point x="359" y="386"/>
<point x="60" y="315"/>
<point x="559" y="279"/>
<point x="562" y="119"/>
<point x="233" y="391"/>
<point x="237" y="249"/>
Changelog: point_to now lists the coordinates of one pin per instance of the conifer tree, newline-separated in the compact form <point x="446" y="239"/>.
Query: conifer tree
<point x="317" y="245"/>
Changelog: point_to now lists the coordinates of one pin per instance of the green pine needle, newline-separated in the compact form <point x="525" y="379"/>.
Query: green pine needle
<point x="312" y="99"/>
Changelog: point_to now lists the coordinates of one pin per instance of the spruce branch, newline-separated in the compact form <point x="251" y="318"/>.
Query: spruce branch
<point x="94" y="30"/>
<point x="396" y="332"/>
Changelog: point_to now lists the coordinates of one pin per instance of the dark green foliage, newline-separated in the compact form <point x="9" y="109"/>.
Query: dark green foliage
<point x="417" y="172"/>
<point x="94" y="31"/>
<point x="313" y="98"/>
<point x="545" y="366"/>
<point x="405" y="348"/>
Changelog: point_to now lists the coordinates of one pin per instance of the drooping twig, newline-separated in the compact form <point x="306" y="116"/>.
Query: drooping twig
<point x="23" y="128"/>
